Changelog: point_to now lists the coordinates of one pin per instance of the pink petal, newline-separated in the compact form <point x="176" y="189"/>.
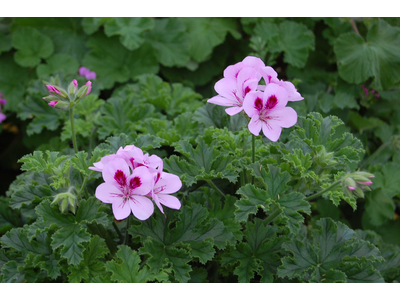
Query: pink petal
<point x="107" y="193"/>
<point x="284" y="117"/>
<point x="255" y="125"/>
<point x="169" y="201"/>
<point x="254" y="62"/>
<point x="146" y="180"/>
<point x="248" y="103"/>
<point x="225" y="88"/>
<point x="271" y="130"/>
<point x="269" y="75"/>
<point x="157" y="202"/>
<point x="233" y="110"/>
<point x="219" y="100"/>
<point x="121" y="209"/>
<point x="233" y="70"/>
<point x="142" y="207"/>
<point x="293" y="94"/>
<point x="279" y="92"/>
<point x="168" y="183"/>
<point x="111" y="167"/>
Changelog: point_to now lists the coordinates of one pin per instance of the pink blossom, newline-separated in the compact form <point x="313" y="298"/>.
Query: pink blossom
<point x="85" y="72"/>
<point x="165" y="184"/>
<point x="125" y="190"/>
<point x="233" y="90"/>
<point x="90" y="87"/>
<point x="268" y="111"/>
<point x="98" y="166"/>
<point x="52" y="103"/>
<point x="249" y="62"/>
<point x="53" y="89"/>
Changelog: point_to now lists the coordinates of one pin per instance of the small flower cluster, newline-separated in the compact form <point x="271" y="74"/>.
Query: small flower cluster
<point x="2" y="102"/>
<point x="356" y="183"/>
<point x="61" y="99"/>
<point x="85" y="72"/>
<point x="131" y="179"/>
<point x="264" y="104"/>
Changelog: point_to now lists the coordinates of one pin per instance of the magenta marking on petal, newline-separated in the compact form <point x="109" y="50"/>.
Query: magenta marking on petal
<point x="246" y="90"/>
<point x="120" y="178"/>
<point x="258" y="104"/>
<point x="134" y="183"/>
<point x="271" y="102"/>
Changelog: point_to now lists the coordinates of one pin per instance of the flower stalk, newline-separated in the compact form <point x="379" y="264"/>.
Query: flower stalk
<point x="71" y="111"/>
<point x="323" y="191"/>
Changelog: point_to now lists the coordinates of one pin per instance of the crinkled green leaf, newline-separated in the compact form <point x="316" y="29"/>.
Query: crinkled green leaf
<point x="379" y="207"/>
<point x="377" y="57"/>
<point x="332" y="247"/>
<point x="32" y="46"/>
<point x="130" y="30"/>
<point x="91" y="24"/>
<point x="60" y="62"/>
<point x="42" y="162"/>
<point x="258" y="254"/>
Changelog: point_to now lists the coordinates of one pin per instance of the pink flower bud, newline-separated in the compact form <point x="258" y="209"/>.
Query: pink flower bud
<point x="351" y="188"/>
<point x="75" y="83"/>
<point x="365" y="183"/>
<point x="3" y="101"/>
<point x="53" y="103"/>
<point x="53" y="89"/>
<point x="89" y="83"/>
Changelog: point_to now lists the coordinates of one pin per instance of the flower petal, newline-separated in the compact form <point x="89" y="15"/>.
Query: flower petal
<point x="225" y="87"/>
<point x="255" y="125"/>
<point x="168" y="183"/>
<point x="233" y="110"/>
<point x="107" y="193"/>
<point x="249" y="103"/>
<point x="271" y="130"/>
<point x="144" y="182"/>
<point x="233" y="70"/>
<point x="169" y="201"/>
<point x="219" y="100"/>
<point x="142" y="207"/>
<point x="279" y="92"/>
<point x="121" y="209"/>
<point x="284" y="117"/>
<point x="111" y="167"/>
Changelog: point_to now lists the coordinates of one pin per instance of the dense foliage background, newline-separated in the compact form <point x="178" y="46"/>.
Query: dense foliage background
<point x="153" y="78"/>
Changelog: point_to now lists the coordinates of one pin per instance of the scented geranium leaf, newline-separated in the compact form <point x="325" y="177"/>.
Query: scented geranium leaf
<point x="379" y="207"/>
<point x="79" y="161"/>
<point x="118" y="116"/>
<point x="170" y="42"/>
<point x="32" y="46"/>
<point x="91" y="24"/>
<point x="90" y="211"/>
<point x="13" y="83"/>
<point x="363" y="273"/>
<point x="300" y="161"/>
<point x="60" y="62"/>
<point x="70" y="239"/>
<point x="292" y="38"/>
<point x="377" y="57"/>
<point x="182" y="168"/>
<point x="42" y="162"/>
<point x="390" y="268"/>
<point x="113" y="63"/>
<point x="52" y="215"/>
<point x="130" y="30"/>
<point x="92" y="264"/>
<point x="292" y="205"/>
<point x="125" y="268"/>
<point x="10" y="272"/>
<point x="29" y="194"/>
<point x="252" y="199"/>
<point x="5" y="42"/>
<point x="206" y="33"/>
<point x="332" y="247"/>
<point x="259" y="254"/>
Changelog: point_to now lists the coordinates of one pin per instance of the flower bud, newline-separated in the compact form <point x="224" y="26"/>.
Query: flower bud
<point x="67" y="201"/>
<point x="356" y="183"/>
<point x="73" y="87"/>
<point x="59" y="105"/>
<point x="82" y="92"/>
<point x="52" y="103"/>
<point x="324" y="159"/>
<point x="57" y="91"/>
<point x="89" y="83"/>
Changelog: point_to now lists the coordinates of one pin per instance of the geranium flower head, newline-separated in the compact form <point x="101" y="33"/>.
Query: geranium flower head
<point x="125" y="190"/>
<point x="268" y="111"/>
<point x="85" y="72"/>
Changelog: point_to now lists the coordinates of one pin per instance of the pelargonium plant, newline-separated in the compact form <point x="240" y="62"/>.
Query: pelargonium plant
<point x="176" y="198"/>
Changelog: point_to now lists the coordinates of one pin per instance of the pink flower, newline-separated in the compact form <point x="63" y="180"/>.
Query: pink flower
<point x="53" y="89"/>
<point x="85" y="72"/>
<point x="268" y="111"/>
<point x="249" y="62"/>
<point x="3" y="101"/>
<point x="98" y="166"/>
<point x="233" y="90"/>
<point x="90" y="87"/>
<point x="52" y="103"/>
<point x="125" y="190"/>
<point x="166" y="184"/>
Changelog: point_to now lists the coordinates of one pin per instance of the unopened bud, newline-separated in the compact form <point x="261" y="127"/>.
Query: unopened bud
<point x="57" y="91"/>
<point x="73" y="87"/>
<point x="67" y="201"/>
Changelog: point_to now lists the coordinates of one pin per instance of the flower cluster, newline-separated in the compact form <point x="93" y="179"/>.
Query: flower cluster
<point x="356" y="183"/>
<point x="2" y="102"/>
<point x="85" y="72"/>
<point x="132" y="178"/>
<point x="264" y="104"/>
<point x="61" y="99"/>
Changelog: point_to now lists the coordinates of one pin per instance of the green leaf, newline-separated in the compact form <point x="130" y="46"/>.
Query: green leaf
<point x="333" y="248"/>
<point x="42" y="162"/>
<point x="32" y="46"/>
<point x="126" y="268"/>
<point x="292" y="38"/>
<point x="130" y="30"/>
<point x="206" y="33"/>
<point x="377" y="57"/>
<point x="58" y="63"/>
<point x="252" y="199"/>
<point x="259" y="254"/>
<point x="91" y="24"/>
<point x="379" y="207"/>
<point x="113" y="63"/>
<point x="5" y="42"/>
<point x="170" y="42"/>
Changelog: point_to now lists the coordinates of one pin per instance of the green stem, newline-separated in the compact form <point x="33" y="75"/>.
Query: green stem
<point x="272" y="216"/>
<point x="83" y="186"/>
<point x="323" y="191"/>
<point x="209" y="181"/>
<point x="126" y="231"/>
<point x="121" y="237"/>
<point x="253" y="153"/>
<point x="73" y="130"/>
